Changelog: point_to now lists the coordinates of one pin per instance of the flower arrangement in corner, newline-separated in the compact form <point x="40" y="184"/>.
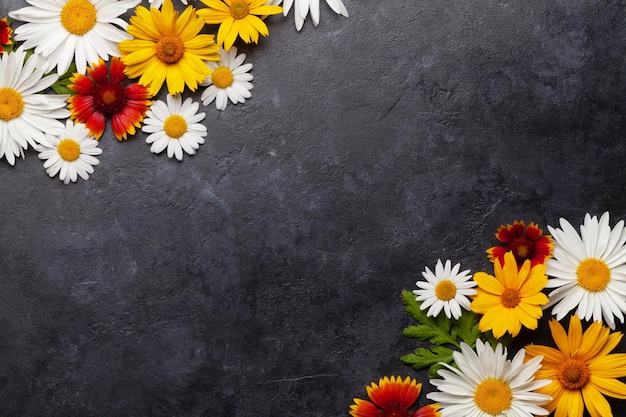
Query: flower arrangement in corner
<point x="72" y="66"/>
<point x="466" y="324"/>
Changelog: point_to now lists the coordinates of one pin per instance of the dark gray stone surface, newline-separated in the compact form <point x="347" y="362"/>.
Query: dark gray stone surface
<point x="262" y="276"/>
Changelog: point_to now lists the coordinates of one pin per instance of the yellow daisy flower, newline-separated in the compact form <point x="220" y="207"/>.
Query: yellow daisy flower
<point x="238" y="18"/>
<point x="168" y="47"/>
<point x="581" y="368"/>
<point x="512" y="298"/>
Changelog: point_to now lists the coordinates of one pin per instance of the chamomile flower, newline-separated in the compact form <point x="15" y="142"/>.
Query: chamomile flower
<point x="25" y="114"/>
<point x="175" y="126"/>
<point x="238" y="18"/>
<point x="73" y="30"/>
<point x="588" y="271"/>
<point x="485" y="383"/>
<point x="446" y="289"/>
<point x="229" y="79"/>
<point x="70" y="154"/>
<point x="168" y="48"/>
<point x="302" y="8"/>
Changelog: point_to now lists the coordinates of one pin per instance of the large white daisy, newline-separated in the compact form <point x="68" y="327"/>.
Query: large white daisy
<point x="66" y="30"/>
<point x="446" y="289"/>
<point x="487" y="384"/>
<point x="230" y="79"/>
<point x="302" y="8"/>
<point x="174" y="126"/>
<point x="71" y="153"/>
<point x="25" y="114"/>
<point x="588" y="270"/>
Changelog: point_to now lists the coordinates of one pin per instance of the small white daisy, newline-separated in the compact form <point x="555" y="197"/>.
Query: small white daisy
<point x="158" y="3"/>
<point x="174" y="126"/>
<point x="302" y="8"/>
<point x="67" y="30"/>
<point x="71" y="153"/>
<point x="229" y="79"/>
<point x="588" y="270"/>
<point x="446" y="289"/>
<point x="486" y="384"/>
<point x="25" y="114"/>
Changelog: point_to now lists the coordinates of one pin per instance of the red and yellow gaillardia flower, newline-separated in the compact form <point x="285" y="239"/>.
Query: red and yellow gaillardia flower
<point x="512" y="298"/>
<point x="392" y="397"/>
<point x="238" y="18"/>
<point x="526" y="242"/>
<point x="168" y="48"/>
<point x="5" y="34"/>
<point x="581" y="368"/>
<point x="102" y="94"/>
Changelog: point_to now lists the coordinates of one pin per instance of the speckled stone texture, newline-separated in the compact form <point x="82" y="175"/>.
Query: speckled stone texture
<point x="262" y="277"/>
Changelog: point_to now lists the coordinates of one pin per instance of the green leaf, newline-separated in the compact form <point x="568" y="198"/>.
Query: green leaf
<point x="436" y="330"/>
<point x="467" y="327"/>
<point x="429" y="358"/>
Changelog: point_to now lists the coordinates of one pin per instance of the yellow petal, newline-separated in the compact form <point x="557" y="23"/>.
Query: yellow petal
<point x="488" y="283"/>
<point x="596" y="404"/>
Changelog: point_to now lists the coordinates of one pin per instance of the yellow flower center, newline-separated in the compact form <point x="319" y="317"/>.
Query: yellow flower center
<point x="69" y="150"/>
<point x="522" y="249"/>
<point x="493" y="396"/>
<point x="175" y="126"/>
<point x="593" y="274"/>
<point x="78" y="16"/>
<point x="11" y="104"/>
<point x="510" y="298"/>
<point x="170" y="49"/>
<point x="239" y="9"/>
<point x="573" y="374"/>
<point x="222" y="77"/>
<point x="445" y="290"/>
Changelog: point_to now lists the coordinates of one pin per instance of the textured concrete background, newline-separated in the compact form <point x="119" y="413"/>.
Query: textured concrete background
<point x="262" y="276"/>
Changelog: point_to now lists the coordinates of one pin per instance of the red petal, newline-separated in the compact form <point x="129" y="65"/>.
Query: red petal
<point x="99" y="72"/>
<point x="364" y="408"/>
<point x="117" y="69"/>
<point x="428" y="411"/>
<point x="95" y="124"/>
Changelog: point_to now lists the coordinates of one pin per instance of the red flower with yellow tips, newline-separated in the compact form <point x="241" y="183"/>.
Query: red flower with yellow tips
<point x="5" y="33"/>
<point x="392" y="397"/>
<point x="526" y="242"/>
<point x="103" y="94"/>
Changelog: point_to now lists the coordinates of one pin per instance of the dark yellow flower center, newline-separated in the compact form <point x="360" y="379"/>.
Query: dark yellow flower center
<point x="394" y="410"/>
<point x="69" y="150"/>
<point x="493" y="396"/>
<point x="445" y="290"/>
<point x="510" y="298"/>
<point x="239" y="9"/>
<point x="11" y="104"/>
<point x="522" y="249"/>
<point x="222" y="77"/>
<point x="573" y="374"/>
<point x="78" y="16"/>
<point x="593" y="274"/>
<point x="175" y="126"/>
<point x="170" y="49"/>
<point x="109" y="98"/>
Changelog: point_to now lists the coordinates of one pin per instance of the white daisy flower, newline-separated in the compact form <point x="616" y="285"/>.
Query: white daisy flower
<point x="588" y="270"/>
<point x="229" y="79"/>
<point x="71" y="153"/>
<point x="25" y="114"/>
<point x="486" y="384"/>
<point x="159" y="3"/>
<point x="174" y="126"/>
<point x="302" y="8"/>
<point x="445" y="289"/>
<point x="67" y="30"/>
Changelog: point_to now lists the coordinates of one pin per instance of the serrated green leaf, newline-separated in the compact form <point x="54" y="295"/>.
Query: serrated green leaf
<point x="467" y="327"/>
<point x="436" y="330"/>
<point x="429" y="358"/>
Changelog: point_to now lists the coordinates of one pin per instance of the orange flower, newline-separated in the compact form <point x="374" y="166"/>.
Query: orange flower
<point x="102" y="94"/>
<point x="525" y="243"/>
<point x="392" y="397"/>
<point x="5" y="33"/>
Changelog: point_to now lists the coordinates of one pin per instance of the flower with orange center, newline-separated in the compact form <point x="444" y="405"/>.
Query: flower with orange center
<point x="526" y="242"/>
<point x="581" y="368"/>
<point x="168" y="48"/>
<point x="238" y="18"/>
<point x="5" y="34"/>
<point x="102" y="94"/>
<point x="392" y="397"/>
<point x="512" y="298"/>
